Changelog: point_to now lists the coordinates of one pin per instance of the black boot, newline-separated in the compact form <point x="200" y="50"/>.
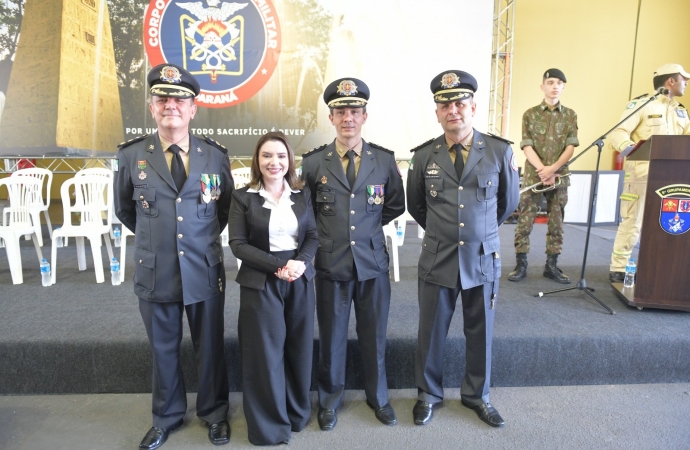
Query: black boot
<point x="553" y="272"/>
<point x="520" y="271"/>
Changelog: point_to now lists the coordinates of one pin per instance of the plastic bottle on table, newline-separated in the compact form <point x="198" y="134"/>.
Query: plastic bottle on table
<point x="630" y="270"/>
<point x="115" y="272"/>
<point x="45" y="272"/>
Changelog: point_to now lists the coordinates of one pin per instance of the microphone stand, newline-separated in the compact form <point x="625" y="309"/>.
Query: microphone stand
<point x="599" y="143"/>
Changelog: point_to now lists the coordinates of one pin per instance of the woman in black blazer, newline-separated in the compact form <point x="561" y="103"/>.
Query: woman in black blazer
<point x="273" y="231"/>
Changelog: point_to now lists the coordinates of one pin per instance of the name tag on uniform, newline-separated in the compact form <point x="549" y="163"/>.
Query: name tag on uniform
<point x="655" y="116"/>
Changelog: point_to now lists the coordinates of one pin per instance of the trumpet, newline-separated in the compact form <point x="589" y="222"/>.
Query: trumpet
<point x="536" y="189"/>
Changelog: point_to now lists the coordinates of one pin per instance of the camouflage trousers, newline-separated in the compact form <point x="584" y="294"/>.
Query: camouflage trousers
<point x="529" y="206"/>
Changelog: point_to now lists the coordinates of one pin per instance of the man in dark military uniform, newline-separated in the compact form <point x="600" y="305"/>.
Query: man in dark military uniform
<point x="356" y="188"/>
<point x="549" y="138"/>
<point x="173" y="190"/>
<point x="460" y="187"/>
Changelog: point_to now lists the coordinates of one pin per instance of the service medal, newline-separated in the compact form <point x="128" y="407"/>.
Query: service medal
<point x="324" y="180"/>
<point x="370" y="200"/>
<point x="377" y="200"/>
<point x="142" y="175"/>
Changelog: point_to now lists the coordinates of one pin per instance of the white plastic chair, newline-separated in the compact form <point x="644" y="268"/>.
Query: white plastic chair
<point x="123" y="250"/>
<point x="103" y="172"/>
<point x="41" y="201"/>
<point x="241" y="176"/>
<point x="22" y="194"/>
<point x="93" y="195"/>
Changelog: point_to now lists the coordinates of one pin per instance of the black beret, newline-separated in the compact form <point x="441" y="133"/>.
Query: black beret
<point x="555" y="73"/>
<point x="346" y="93"/>
<point x="169" y="80"/>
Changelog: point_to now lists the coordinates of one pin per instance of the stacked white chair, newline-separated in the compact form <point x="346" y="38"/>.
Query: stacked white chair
<point x="22" y="195"/>
<point x="93" y="199"/>
<point x="41" y="200"/>
<point x="241" y="177"/>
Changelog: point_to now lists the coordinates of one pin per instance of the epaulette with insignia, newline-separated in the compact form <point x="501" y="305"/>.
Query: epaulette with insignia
<point x="132" y="141"/>
<point x="316" y="150"/>
<point x="643" y="95"/>
<point x="216" y="144"/>
<point x="500" y="138"/>
<point x="422" y="145"/>
<point x="377" y="146"/>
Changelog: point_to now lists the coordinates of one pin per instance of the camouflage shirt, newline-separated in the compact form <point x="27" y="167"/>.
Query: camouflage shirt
<point x="549" y="133"/>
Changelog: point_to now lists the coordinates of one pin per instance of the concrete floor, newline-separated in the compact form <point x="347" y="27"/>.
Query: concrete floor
<point x="649" y="416"/>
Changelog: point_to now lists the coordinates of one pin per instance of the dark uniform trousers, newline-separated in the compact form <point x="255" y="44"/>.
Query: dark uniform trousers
<point x="436" y="307"/>
<point x="372" y="300"/>
<point x="163" y="322"/>
<point x="275" y="326"/>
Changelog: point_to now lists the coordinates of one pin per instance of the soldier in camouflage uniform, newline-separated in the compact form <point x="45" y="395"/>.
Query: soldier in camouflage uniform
<point x="549" y="137"/>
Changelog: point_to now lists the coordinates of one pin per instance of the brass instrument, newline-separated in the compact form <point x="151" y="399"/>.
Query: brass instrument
<point x="535" y="187"/>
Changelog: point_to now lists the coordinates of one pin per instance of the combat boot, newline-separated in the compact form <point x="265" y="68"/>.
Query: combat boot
<point x="553" y="272"/>
<point x="520" y="271"/>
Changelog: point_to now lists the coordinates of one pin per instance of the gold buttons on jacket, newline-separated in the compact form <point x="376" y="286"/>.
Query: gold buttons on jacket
<point x="180" y="219"/>
<point x="461" y="225"/>
<point x="352" y="227"/>
<point x="352" y="195"/>
<point x="461" y="243"/>
<point x="352" y="213"/>
<point x="459" y="188"/>
<point x="461" y="206"/>
<point x="352" y="243"/>
<point x="181" y="253"/>
<point x="178" y="200"/>
<point x="179" y="236"/>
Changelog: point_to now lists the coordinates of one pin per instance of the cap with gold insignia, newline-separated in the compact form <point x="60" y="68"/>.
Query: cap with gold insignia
<point x="555" y="73"/>
<point x="346" y="93"/>
<point x="169" y="80"/>
<point x="453" y="85"/>
<point x="671" y="69"/>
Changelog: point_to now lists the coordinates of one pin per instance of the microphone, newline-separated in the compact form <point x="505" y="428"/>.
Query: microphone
<point x="662" y="91"/>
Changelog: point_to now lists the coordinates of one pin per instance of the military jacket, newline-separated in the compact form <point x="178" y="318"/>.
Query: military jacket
<point x="350" y="222"/>
<point x="549" y="133"/>
<point x="461" y="217"/>
<point x="661" y="116"/>
<point x="177" y="255"/>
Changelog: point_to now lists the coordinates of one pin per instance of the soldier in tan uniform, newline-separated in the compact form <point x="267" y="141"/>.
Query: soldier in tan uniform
<point x="662" y="116"/>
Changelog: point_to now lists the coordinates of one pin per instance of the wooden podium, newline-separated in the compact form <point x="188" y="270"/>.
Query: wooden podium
<point x="663" y="266"/>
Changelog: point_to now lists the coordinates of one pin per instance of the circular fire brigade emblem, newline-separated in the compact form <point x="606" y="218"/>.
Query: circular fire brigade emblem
<point x="231" y="48"/>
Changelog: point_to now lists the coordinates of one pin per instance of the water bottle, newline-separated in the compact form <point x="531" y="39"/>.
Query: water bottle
<point x="399" y="233"/>
<point x="58" y="239"/>
<point x="115" y="272"/>
<point x="630" y="270"/>
<point x="45" y="272"/>
<point x="117" y="234"/>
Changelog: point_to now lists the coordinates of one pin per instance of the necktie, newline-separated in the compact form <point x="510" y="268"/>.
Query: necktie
<point x="459" y="163"/>
<point x="350" y="174"/>
<point x="177" y="168"/>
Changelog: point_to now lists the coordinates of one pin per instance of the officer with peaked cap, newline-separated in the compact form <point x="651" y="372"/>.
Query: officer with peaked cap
<point x="460" y="187"/>
<point x="662" y="116"/>
<point x="356" y="188"/>
<point x="173" y="190"/>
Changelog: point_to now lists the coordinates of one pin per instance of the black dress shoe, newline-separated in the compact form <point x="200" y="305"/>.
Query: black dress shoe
<point x="422" y="412"/>
<point x="156" y="437"/>
<point x="486" y="413"/>
<point x="219" y="433"/>
<point x="327" y="419"/>
<point x="385" y="414"/>
<point x="616" y="277"/>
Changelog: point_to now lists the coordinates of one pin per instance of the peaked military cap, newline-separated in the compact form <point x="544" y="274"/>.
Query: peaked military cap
<point x="169" y="80"/>
<point x="346" y="93"/>
<point x="453" y="85"/>
<point x="555" y="73"/>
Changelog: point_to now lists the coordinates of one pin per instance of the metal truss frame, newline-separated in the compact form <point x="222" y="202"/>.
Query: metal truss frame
<point x="501" y="66"/>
